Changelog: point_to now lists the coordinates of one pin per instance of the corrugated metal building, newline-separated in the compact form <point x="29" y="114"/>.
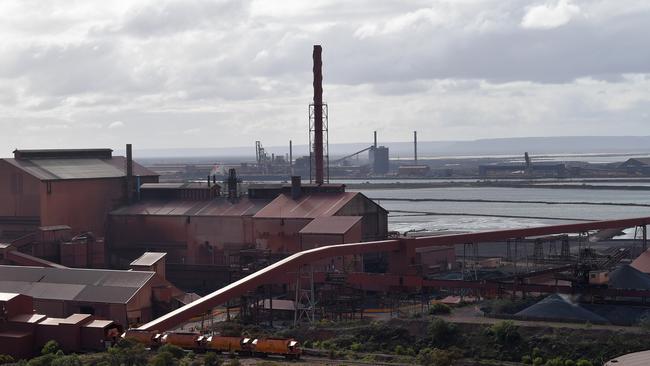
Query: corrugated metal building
<point x="278" y="225"/>
<point x="23" y="332"/>
<point x="63" y="187"/>
<point x="122" y="296"/>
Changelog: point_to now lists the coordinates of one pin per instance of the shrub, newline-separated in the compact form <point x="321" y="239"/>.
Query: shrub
<point x="133" y="355"/>
<point x="442" y="333"/>
<point x="505" y="332"/>
<point x="211" y="359"/>
<point x="583" y="362"/>
<point x="163" y="359"/>
<point x="438" y="309"/>
<point x="557" y="361"/>
<point x="70" y="360"/>
<point x="356" y="347"/>
<point x="538" y="361"/>
<point x="6" y="359"/>
<point x="569" y="363"/>
<point x="526" y="360"/>
<point x="436" y="357"/>
<point x="175" y="351"/>
<point x="50" y="347"/>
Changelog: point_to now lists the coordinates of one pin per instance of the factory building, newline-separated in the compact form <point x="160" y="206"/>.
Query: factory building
<point x="278" y="225"/>
<point x="23" y="332"/>
<point x="77" y="188"/>
<point x="122" y="296"/>
<point x="206" y="240"/>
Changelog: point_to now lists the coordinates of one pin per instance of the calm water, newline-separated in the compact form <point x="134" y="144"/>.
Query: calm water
<point x="547" y="214"/>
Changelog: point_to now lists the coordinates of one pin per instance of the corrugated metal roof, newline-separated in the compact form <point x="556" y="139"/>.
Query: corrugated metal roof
<point x="73" y="283"/>
<point x="99" y="323"/>
<point x="330" y="225"/>
<point x="148" y="259"/>
<point x="27" y="318"/>
<point x="308" y="206"/>
<point x="60" y="169"/>
<point x="187" y="185"/>
<point x="6" y="296"/>
<point x="216" y="207"/>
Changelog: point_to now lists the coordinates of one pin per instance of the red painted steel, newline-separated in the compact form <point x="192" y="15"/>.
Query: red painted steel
<point x="291" y="263"/>
<point x="318" y="113"/>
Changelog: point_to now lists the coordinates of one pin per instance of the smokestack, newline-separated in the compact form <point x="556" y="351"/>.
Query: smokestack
<point x="375" y="144"/>
<point x="318" y="113"/>
<point x="415" y="146"/>
<point x="291" y="156"/>
<point x="129" y="173"/>
<point x="296" y="190"/>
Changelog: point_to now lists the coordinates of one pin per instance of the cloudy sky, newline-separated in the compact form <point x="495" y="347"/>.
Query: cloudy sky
<point x="221" y="73"/>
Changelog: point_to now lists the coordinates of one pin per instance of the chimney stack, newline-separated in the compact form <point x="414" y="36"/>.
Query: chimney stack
<point x="290" y="157"/>
<point x="129" y="173"/>
<point x="415" y="146"/>
<point x="318" y="113"/>
<point x="296" y="189"/>
<point x="375" y="144"/>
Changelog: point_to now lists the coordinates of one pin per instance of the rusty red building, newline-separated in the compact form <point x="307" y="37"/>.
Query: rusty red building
<point x="23" y="332"/>
<point x="77" y="188"/>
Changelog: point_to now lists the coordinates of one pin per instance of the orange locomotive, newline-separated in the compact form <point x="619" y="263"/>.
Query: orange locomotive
<point x="286" y="347"/>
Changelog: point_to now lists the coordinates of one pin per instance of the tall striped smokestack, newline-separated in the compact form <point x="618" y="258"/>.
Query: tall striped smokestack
<point x="318" y="113"/>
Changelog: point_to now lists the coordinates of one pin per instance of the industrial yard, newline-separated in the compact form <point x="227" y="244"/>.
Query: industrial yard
<point x="391" y="249"/>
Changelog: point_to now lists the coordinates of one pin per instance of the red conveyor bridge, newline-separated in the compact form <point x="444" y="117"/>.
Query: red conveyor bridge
<point x="400" y="252"/>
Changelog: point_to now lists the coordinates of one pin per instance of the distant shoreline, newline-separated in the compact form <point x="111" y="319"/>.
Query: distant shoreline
<point x="410" y="185"/>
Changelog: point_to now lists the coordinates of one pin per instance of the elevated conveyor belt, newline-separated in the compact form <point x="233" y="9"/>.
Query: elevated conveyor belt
<point x="293" y="262"/>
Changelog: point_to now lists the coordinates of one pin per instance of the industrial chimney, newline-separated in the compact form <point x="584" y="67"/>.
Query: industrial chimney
<point x="129" y="173"/>
<point x="415" y="146"/>
<point x="318" y="113"/>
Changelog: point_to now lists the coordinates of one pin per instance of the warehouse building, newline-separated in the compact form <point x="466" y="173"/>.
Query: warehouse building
<point x="77" y="188"/>
<point x="23" y="332"/>
<point x="122" y="296"/>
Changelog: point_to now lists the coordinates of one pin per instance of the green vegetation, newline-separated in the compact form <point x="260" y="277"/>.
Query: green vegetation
<point x="439" y="309"/>
<point x="405" y="340"/>
<point x="437" y="357"/>
<point x="6" y="359"/>
<point x="211" y="359"/>
<point x="508" y="306"/>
